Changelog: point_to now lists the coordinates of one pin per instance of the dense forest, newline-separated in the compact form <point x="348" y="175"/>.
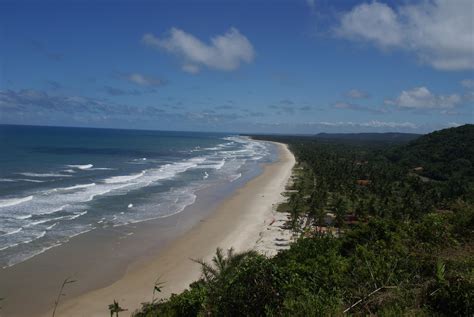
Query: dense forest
<point x="385" y="229"/>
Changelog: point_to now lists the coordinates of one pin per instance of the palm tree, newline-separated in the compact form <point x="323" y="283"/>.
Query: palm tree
<point x="60" y="294"/>
<point x="317" y="207"/>
<point x="294" y="204"/>
<point x="220" y="264"/>
<point x="340" y="211"/>
<point x="115" y="308"/>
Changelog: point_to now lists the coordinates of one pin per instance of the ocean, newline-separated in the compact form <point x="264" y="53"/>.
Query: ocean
<point x="56" y="183"/>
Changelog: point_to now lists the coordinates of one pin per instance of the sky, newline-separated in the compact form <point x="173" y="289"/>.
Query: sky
<point x="295" y="66"/>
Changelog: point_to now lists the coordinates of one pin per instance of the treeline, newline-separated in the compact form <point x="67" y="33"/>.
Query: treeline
<point x="385" y="230"/>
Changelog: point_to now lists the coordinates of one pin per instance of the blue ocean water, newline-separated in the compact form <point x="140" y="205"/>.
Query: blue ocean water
<point x="56" y="183"/>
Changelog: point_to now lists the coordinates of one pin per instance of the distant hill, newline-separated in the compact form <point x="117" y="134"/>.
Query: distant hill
<point x="442" y="154"/>
<point x="380" y="139"/>
<point x="391" y="137"/>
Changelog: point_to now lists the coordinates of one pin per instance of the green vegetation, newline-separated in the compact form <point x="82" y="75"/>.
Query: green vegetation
<point x="399" y="239"/>
<point x="115" y="308"/>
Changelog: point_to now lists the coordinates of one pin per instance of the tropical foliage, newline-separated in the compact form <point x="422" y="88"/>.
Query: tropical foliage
<point x="400" y="243"/>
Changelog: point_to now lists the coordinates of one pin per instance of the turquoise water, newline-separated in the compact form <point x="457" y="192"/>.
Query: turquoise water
<point x="56" y="183"/>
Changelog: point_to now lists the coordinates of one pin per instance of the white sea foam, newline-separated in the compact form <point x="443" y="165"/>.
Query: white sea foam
<point x="173" y="202"/>
<point x="7" y="180"/>
<point x="14" y="201"/>
<point x="142" y="160"/>
<point x="31" y="180"/>
<point x="79" y="214"/>
<point x="39" y="222"/>
<point x="28" y="255"/>
<point x="35" y="223"/>
<point x="235" y="177"/>
<point x="75" y="187"/>
<point x="81" y="167"/>
<point x="21" y="257"/>
<point x="42" y="213"/>
<point x="123" y="179"/>
<point x="12" y="232"/>
<point x="42" y="234"/>
<point x="110" y="188"/>
<point x="217" y="165"/>
<point x="170" y="170"/>
<point x="44" y="175"/>
<point x="150" y="176"/>
<point x="52" y="226"/>
<point x="9" y="246"/>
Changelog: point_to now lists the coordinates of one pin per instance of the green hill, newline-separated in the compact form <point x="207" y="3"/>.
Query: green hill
<point x="442" y="154"/>
<point x="390" y="137"/>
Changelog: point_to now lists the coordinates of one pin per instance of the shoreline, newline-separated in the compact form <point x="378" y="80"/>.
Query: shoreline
<point x="173" y="264"/>
<point x="210" y="224"/>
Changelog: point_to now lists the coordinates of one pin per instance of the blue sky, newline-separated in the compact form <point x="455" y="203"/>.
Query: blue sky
<point x="238" y="66"/>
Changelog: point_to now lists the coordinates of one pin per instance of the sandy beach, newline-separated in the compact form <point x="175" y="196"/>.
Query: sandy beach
<point x="244" y="220"/>
<point x="236" y="223"/>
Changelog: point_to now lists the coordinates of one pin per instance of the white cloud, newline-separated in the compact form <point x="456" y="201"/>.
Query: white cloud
<point x="422" y="98"/>
<point x="34" y="101"/>
<point x="143" y="80"/>
<point x="454" y="124"/>
<point x="369" y="124"/>
<point x="357" y="94"/>
<point x="225" y="52"/>
<point x="468" y="83"/>
<point x="190" y="68"/>
<point x="375" y="22"/>
<point x="356" y="107"/>
<point x="342" y="105"/>
<point x="439" y="32"/>
<point x="469" y="96"/>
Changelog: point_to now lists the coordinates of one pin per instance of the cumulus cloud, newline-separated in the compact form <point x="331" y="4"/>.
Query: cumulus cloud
<point x="355" y="107"/>
<point x="374" y="22"/>
<point x="357" y="94"/>
<point x="468" y="83"/>
<point x="190" y="68"/>
<point x="421" y="98"/>
<point x="144" y="80"/>
<point x="224" y="52"/>
<point x="439" y="32"/>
